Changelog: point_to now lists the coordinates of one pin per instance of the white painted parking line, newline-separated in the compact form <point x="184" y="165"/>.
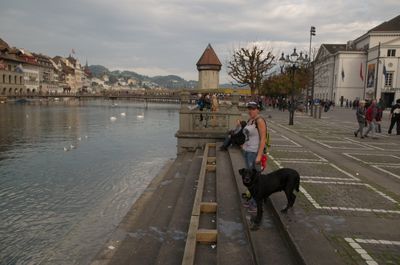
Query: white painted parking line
<point x="290" y="140"/>
<point x="352" y="155"/>
<point x="344" y="172"/>
<point x="343" y="182"/>
<point x="293" y="151"/>
<point x="326" y="178"/>
<point x="317" y="159"/>
<point x="327" y="144"/>
<point x="380" y="167"/>
<point x="284" y="145"/>
<point x="278" y="163"/>
<point x="317" y="162"/>
<point x="355" y="244"/>
<point x="355" y="184"/>
<point x="365" y="144"/>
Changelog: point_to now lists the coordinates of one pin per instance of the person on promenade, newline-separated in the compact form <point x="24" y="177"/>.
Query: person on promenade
<point x="214" y="103"/>
<point x="370" y="116"/>
<point x="360" y="114"/>
<point x="235" y="136"/>
<point x="380" y="107"/>
<point x="253" y="147"/>
<point x="395" y="117"/>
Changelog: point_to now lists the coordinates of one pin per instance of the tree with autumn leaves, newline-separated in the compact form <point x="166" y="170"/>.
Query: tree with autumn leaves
<point x="282" y="85"/>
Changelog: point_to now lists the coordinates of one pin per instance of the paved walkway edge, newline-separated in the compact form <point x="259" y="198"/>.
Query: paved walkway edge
<point x="290" y="239"/>
<point x="105" y="254"/>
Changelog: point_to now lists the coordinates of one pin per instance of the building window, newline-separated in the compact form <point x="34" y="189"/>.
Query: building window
<point x="20" y="79"/>
<point x="9" y="79"/>
<point x="15" y="79"/>
<point x="4" y="79"/>
<point x="389" y="79"/>
<point x="391" y="52"/>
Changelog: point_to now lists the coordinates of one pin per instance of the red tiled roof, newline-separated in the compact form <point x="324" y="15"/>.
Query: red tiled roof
<point x="209" y="57"/>
<point x="3" y="44"/>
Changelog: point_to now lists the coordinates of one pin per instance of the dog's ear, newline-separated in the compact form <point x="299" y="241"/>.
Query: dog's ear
<point x="241" y="171"/>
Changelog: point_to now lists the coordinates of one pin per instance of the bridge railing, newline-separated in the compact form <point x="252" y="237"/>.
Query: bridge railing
<point x="196" y="121"/>
<point x="196" y="128"/>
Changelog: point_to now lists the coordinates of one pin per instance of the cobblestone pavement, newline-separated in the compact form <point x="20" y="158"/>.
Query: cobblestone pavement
<point x="349" y="186"/>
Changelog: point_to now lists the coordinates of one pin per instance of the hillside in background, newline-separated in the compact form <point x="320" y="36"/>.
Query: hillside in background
<point x="169" y="81"/>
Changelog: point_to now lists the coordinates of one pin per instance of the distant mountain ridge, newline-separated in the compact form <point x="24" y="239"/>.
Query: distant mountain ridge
<point x="169" y="81"/>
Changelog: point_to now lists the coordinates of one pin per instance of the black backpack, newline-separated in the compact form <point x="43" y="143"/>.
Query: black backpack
<point x="239" y="138"/>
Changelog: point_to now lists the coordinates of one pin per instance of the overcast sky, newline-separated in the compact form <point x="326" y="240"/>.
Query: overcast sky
<point x="159" y="37"/>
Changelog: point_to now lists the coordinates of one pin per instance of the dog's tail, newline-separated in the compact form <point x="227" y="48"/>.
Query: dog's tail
<point x="297" y="188"/>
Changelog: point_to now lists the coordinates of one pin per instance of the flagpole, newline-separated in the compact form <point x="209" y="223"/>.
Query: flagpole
<point x="377" y="71"/>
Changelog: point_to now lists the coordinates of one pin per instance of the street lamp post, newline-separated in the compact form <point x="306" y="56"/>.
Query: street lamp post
<point x="311" y="61"/>
<point x="292" y="63"/>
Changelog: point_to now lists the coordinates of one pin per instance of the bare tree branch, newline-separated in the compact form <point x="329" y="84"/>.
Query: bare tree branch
<point x="248" y="66"/>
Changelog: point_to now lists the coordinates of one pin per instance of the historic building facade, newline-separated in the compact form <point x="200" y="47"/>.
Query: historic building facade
<point x="11" y="77"/>
<point x="367" y="67"/>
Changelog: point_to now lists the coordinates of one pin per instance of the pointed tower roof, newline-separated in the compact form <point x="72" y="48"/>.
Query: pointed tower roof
<point x="209" y="60"/>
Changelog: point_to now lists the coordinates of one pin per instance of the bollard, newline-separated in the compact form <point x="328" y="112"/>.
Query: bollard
<point x="315" y="112"/>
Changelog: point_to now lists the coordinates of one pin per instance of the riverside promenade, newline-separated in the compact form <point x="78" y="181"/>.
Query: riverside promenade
<point x="347" y="210"/>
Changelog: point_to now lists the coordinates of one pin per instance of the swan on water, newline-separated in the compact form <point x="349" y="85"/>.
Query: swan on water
<point x="65" y="149"/>
<point x="140" y="116"/>
<point x="112" y="118"/>
<point x="72" y="146"/>
<point x="123" y="114"/>
<point x="79" y="139"/>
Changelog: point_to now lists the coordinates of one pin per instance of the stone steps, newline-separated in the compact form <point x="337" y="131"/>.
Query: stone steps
<point x="147" y="225"/>
<point x="233" y="242"/>
<point x="172" y="249"/>
<point x="269" y="244"/>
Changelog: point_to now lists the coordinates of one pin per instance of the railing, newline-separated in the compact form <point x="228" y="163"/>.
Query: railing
<point x="196" y="121"/>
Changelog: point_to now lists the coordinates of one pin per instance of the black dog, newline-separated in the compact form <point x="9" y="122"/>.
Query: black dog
<point x="262" y="186"/>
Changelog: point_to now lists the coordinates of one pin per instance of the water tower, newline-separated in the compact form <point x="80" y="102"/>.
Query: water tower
<point x="208" y="67"/>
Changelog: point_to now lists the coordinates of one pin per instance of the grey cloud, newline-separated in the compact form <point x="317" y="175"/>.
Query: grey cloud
<point x="161" y="36"/>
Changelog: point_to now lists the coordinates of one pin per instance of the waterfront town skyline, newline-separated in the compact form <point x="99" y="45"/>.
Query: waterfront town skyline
<point x="143" y="37"/>
<point x="357" y="59"/>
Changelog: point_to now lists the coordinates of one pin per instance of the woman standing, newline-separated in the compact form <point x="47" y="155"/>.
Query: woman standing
<point x="255" y="132"/>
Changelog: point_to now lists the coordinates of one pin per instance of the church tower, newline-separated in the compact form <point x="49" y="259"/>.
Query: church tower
<point x="208" y="67"/>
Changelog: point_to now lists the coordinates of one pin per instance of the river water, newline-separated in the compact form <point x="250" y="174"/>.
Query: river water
<point x="69" y="173"/>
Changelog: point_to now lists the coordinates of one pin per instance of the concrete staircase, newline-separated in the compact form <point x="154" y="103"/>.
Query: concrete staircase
<point x="154" y="230"/>
<point x="192" y="213"/>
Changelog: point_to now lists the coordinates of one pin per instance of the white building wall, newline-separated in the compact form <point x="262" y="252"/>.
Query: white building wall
<point x="351" y="87"/>
<point x="378" y="55"/>
<point x="31" y="78"/>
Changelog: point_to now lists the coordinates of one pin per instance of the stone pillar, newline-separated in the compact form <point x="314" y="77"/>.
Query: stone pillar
<point x="185" y="98"/>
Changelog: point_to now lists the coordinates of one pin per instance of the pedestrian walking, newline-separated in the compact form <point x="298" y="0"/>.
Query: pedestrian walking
<point x="370" y="116"/>
<point x="360" y="114"/>
<point x="395" y="117"/>
<point x="379" y="114"/>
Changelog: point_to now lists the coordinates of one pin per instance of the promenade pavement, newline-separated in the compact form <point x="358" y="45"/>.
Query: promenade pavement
<point x="347" y="210"/>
